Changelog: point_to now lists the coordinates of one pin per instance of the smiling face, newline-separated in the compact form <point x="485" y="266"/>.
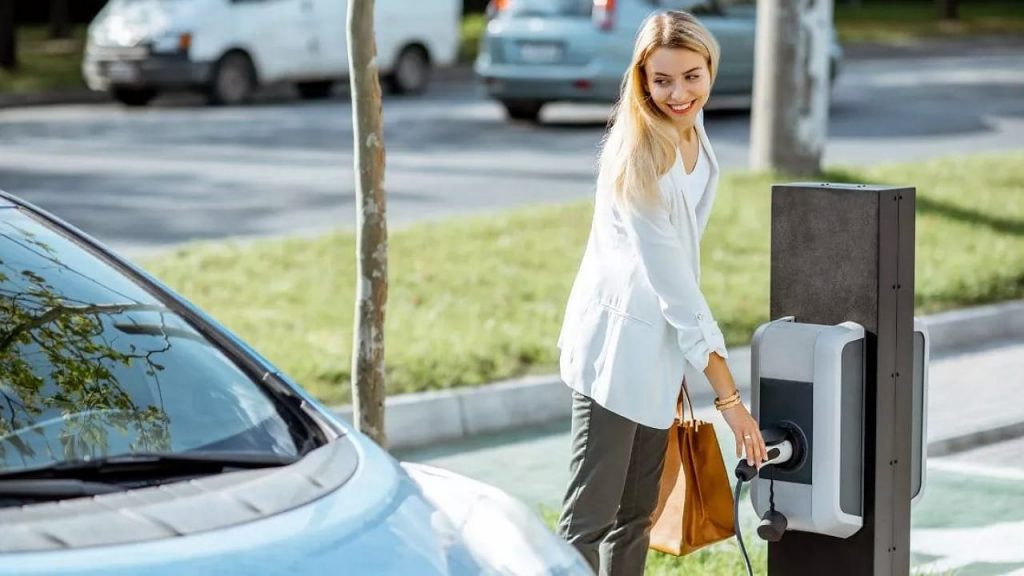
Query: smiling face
<point x="679" y="83"/>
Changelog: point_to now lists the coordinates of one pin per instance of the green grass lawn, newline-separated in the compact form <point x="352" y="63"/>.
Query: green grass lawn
<point x="902" y="21"/>
<point x="479" y="299"/>
<point x="45" y="64"/>
<point x="720" y="559"/>
<point x="472" y="29"/>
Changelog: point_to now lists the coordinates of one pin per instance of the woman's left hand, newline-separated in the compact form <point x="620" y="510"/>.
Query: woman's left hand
<point x="748" y="435"/>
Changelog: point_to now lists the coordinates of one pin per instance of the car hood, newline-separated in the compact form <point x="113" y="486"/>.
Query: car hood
<point x="378" y="522"/>
<point x="127" y="23"/>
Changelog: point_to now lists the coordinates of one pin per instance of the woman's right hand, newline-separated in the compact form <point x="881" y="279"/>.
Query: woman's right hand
<point x="749" y="442"/>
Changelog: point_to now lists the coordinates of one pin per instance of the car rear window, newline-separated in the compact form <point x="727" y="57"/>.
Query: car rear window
<point x="94" y="364"/>
<point x="581" y="8"/>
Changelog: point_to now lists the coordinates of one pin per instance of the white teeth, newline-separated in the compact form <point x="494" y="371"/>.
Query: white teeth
<point x="681" y="108"/>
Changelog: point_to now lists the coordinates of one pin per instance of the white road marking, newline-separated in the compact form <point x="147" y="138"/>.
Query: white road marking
<point x="972" y="469"/>
<point x="996" y="544"/>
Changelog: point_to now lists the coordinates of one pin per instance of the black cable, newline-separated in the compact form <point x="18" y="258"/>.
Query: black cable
<point x="736" y="522"/>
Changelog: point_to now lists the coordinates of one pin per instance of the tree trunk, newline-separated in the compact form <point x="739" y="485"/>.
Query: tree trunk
<point x="60" y="19"/>
<point x="789" y="119"/>
<point x="8" y="40"/>
<point x="948" y="9"/>
<point x="368" y="384"/>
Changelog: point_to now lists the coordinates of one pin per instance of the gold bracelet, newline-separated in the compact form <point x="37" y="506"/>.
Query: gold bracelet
<point x="730" y="404"/>
<point x="729" y="399"/>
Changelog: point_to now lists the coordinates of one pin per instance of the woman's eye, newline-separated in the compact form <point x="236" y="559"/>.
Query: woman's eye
<point x="661" y="82"/>
<point x="693" y="77"/>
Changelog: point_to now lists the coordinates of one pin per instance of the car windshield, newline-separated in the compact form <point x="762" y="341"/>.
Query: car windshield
<point x="551" y="7"/>
<point x="92" y="365"/>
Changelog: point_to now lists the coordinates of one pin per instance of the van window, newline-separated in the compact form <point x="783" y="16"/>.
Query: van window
<point x="582" y="8"/>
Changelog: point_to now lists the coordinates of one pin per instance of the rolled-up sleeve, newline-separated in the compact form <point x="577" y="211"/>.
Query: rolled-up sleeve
<point x="666" y="261"/>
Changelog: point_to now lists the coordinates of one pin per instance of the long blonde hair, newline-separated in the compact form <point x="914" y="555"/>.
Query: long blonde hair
<point x="641" y="142"/>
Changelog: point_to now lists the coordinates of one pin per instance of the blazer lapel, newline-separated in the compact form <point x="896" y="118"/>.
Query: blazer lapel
<point x="703" y="209"/>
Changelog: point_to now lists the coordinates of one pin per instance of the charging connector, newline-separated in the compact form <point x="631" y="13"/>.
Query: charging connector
<point x="785" y="451"/>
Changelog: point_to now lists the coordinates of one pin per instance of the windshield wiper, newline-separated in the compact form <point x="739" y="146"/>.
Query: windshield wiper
<point x="54" y="488"/>
<point x="151" y="465"/>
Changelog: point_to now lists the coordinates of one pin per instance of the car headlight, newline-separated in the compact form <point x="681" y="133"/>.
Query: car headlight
<point x="172" y="42"/>
<point x="500" y="531"/>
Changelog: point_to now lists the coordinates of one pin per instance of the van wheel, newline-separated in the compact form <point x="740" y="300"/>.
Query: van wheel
<point x="314" y="90"/>
<point x="412" y="71"/>
<point x="133" y="96"/>
<point x="234" y="80"/>
<point x="527" y="110"/>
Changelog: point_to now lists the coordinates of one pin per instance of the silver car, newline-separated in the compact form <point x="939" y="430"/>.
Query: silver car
<point x="539" y="51"/>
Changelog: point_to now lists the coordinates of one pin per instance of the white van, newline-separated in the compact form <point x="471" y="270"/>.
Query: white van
<point x="227" y="48"/>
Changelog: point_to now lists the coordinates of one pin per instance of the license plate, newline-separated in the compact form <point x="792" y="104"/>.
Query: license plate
<point x="122" y="71"/>
<point x="540" y="53"/>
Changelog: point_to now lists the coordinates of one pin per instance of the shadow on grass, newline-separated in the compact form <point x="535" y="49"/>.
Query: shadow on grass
<point x="925" y="205"/>
<point x="997" y="224"/>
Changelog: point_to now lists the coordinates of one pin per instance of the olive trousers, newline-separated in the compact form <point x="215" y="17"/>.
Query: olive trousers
<point x="613" y="488"/>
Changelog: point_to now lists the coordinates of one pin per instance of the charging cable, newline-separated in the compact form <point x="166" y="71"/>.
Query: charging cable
<point x="773" y="524"/>
<point x="736" y="522"/>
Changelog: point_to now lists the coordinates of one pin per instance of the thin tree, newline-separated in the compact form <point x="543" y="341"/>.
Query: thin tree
<point x="8" y="36"/>
<point x="789" y="117"/>
<point x="368" y="383"/>
<point x="948" y="9"/>
<point x="60" y="19"/>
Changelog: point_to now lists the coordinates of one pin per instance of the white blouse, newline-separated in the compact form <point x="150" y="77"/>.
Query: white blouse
<point x="696" y="182"/>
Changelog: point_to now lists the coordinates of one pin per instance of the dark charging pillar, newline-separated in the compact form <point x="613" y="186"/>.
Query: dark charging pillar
<point x="846" y="252"/>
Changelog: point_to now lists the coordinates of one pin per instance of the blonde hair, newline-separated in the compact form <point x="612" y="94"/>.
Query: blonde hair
<point x="640" y="144"/>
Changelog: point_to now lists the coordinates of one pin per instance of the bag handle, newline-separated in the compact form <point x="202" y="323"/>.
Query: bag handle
<point x="681" y="407"/>
<point x="684" y="399"/>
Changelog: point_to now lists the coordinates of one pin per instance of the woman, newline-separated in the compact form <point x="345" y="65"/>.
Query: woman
<point x="636" y="322"/>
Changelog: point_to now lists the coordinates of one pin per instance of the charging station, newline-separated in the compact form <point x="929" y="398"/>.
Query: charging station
<point x="835" y="388"/>
<point x="808" y="379"/>
<point x="807" y="394"/>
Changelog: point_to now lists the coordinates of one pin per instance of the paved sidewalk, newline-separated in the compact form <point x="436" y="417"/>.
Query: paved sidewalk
<point x="974" y="498"/>
<point x="977" y="391"/>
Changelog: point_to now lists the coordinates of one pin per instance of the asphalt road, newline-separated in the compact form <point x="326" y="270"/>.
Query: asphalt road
<point x="178" y="171"/>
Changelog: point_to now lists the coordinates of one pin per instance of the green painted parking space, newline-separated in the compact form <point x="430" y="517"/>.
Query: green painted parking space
<point x="970" y="521"/>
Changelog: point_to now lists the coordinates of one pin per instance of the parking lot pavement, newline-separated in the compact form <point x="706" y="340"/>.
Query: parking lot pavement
<point x="146" y="180"/>
<point x="970" y="520"/>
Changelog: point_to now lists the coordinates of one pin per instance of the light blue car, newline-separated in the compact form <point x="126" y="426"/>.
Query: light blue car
<point x="538" y="51"/>
<point x="139" y="437"/>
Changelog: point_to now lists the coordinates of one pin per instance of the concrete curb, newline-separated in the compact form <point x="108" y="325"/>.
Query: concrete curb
<point x="458" y="74"/>
<point x="976" y="439"/>
<point x="425" y="418"/>
<point x="956" y="329"/>
<point x="933" y="47"/>
<point x="52" y="98"/>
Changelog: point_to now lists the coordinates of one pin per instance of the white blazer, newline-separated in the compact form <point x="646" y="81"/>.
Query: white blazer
<point x="636" y="322"/>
